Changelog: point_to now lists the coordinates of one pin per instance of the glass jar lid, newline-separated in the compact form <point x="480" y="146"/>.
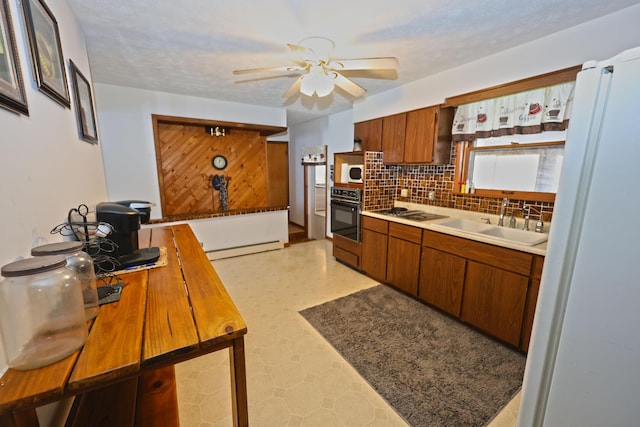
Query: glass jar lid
<point x="57" y="248"/>
<point x="28" y="266"/>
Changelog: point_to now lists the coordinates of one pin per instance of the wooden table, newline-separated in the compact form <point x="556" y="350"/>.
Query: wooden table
<point x="124" y="374"/>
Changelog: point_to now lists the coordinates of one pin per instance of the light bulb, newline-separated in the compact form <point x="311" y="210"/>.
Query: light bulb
<point x="317" y="81"/>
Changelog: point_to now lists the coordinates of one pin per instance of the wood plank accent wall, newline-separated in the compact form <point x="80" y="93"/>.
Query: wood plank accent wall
<point x="183" y="154"/>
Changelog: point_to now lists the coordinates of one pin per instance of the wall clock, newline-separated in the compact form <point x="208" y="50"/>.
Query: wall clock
<point x="219" y="162"/>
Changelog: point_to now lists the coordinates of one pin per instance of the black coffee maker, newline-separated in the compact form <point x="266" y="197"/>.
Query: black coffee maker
<point x="125" y="219"/>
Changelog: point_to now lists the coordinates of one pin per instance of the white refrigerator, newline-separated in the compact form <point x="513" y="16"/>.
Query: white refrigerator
<point x="583" y="367"/>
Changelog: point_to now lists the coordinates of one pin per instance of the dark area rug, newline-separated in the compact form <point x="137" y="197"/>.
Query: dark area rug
<point x="431" y="369"/>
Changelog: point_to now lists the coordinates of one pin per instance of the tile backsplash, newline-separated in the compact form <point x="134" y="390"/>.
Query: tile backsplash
<point x="384" y="182"/>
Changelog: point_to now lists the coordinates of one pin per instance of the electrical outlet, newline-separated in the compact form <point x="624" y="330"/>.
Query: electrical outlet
<point x="404" y="192"/>
<point x="432" y="195"/>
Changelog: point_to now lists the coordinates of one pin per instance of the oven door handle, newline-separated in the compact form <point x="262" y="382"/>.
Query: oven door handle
<point x="354" y="207"/>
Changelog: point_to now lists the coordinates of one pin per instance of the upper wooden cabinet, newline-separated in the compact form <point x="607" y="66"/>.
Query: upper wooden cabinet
<point x="416" y="137"/>
<point x="428" y="136"/>
<point x="370" y="134"/>
<point x="393" y="137"/>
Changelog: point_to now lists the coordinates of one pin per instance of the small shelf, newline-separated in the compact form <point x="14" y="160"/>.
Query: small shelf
<point x="349" y="158"/>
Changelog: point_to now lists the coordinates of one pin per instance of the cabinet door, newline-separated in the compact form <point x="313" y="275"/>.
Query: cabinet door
<point x="441" y="280"/>
<point x="527" y="324"/>
<point x="374" y="254"/>
<point x="532" y="299"/>
<point x="393" y="133"/>
<point x="403" y="265"/>
<point x="494" y="300"/>
<point x="370" y="133"/>
<point x="420" y="136"/>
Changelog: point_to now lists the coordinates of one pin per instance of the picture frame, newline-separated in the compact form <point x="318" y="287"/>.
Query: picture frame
<point x="83" y="100"/>
<point x="46" y="51"/>
<point x="12" y="93"/>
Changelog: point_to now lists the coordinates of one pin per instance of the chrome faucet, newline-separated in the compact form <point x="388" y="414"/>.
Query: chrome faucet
<point x="503" y="208"/>
<point x="539" y="223"/>
<point x="526" y="211"/>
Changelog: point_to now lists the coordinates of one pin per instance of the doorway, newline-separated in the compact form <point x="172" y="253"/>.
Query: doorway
<point x="278" y="184"/>
<point x="315" y="192"/>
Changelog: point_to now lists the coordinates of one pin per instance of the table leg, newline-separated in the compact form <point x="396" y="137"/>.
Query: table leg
<point x="238" y="383"/>
<point x="26" y="418"/>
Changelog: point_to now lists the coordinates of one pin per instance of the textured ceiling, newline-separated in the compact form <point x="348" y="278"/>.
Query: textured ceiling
<point x="191" y="47"/>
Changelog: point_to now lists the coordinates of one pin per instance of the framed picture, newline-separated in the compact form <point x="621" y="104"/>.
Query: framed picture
<point x="85" y="114"/>
<point x="46" y="51"/>
<point x="12" y="95"/>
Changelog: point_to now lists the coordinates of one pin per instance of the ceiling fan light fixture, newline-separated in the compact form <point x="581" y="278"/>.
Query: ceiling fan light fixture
<point x="321" y="73"/>
<point x="318" y="82"/>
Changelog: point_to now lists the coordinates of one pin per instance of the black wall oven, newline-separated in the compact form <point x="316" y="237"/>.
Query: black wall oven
<point x="346" y="204"/>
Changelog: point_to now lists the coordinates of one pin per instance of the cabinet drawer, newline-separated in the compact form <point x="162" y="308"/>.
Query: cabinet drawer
<point x="347" y="257"/>
<point x="496" y="256"/>
<point x="405" y="232"/>
<point x="375" y="224"/>
<point x="346" y="244"/>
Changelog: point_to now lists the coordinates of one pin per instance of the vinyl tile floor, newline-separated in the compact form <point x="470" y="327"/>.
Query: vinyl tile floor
<point x="294" y="377"/>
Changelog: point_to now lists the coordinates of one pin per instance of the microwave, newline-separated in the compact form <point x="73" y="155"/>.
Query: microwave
<point x="355" y="173"/>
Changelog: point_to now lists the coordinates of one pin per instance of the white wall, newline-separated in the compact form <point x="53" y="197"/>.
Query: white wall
<point x="45" y="169"/>
<point x="307" y="134"/>
<point x="597" y="39"/>
<point x="334" y="131"/>
<point x="127" y="133"/>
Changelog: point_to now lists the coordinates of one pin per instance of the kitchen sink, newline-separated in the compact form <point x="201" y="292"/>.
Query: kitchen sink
<point x="522" y="237"/>
<point x="466" y="225"/>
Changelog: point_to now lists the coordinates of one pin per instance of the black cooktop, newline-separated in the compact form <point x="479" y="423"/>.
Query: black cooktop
<point x="405" y="213"/>
<point x="392" y="211"/>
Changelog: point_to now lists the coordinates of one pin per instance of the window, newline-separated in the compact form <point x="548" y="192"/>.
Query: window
<point x="515" y="166"/>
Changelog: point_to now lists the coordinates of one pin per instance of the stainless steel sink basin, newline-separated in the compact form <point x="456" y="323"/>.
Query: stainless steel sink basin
<point x="522" y="237"/>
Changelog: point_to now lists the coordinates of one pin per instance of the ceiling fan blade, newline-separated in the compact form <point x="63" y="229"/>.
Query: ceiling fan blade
<point x="302" y="53"/>
<point x="294" y="89"/>
<point x="381" y="63"/>
<point x="349" y="85"/>
<point x="270" y="69"/>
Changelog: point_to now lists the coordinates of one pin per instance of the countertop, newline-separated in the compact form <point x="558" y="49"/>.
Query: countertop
<point x="433" y="225"/>
<point x="165" y="315"/>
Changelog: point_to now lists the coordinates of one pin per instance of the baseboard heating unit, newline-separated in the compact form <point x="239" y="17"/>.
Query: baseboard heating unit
<point x="244" y="250"/>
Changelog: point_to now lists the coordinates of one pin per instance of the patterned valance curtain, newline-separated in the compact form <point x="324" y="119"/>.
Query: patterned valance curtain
<point x="533" y="111"/>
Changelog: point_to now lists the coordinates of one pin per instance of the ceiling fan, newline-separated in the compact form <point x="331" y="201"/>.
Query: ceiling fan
<point x="322" y="72"/>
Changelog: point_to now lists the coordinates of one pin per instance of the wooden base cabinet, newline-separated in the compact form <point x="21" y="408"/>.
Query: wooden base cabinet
<point x="442" y="280"/>
<point x="403" y="264"/>
<point x="494" y="301"/>
<point x="489" y="287"/>
<point x="403" y="259"/>
<point x="532" y="299"/>
<point x="374" y="247"/>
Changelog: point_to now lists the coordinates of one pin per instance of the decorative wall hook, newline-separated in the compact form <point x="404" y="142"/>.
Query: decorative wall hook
<point x="217" y="130"/>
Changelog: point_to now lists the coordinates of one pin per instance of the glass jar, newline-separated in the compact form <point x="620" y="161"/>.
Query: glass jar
<point x="41" y="312"/>
<point x="80" y="262"/>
